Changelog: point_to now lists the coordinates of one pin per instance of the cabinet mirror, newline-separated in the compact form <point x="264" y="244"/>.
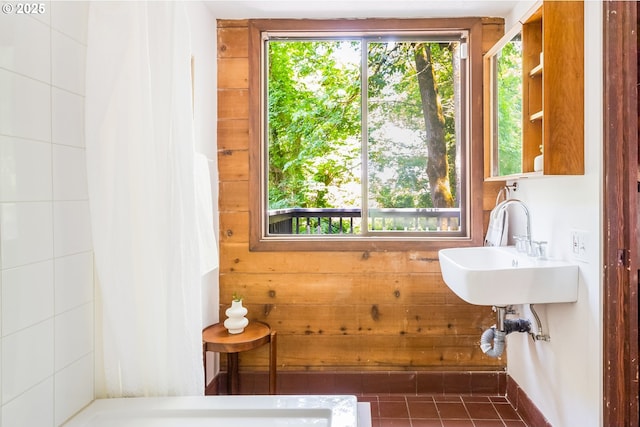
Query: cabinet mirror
<point x="503" y="65"/>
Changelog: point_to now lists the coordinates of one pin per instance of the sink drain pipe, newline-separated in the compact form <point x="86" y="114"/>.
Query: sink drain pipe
<point x="492" y="341"/>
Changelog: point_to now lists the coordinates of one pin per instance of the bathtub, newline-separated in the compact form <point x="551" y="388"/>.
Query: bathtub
<point x="225" y="411"/>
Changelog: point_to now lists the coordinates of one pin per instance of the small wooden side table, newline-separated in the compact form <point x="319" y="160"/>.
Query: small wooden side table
<point x="217" y="338"/>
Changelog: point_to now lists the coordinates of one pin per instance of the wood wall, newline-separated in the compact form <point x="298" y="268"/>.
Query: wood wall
<point x="335" y="311"/>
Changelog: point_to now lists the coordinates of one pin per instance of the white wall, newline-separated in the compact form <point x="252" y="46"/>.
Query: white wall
<point x="563" y="377"/>
<point x="520" y="10"/>
<point x="46" y="259"/>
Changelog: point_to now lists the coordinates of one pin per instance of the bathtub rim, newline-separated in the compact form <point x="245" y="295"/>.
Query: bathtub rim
<point x="343" y="408"/>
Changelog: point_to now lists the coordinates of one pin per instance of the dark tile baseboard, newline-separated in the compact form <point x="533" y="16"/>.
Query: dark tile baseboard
<point x="524" y="406"/>
<point x="391" y="382"/>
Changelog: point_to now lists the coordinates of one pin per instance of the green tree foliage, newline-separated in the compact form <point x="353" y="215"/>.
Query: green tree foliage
<point x="407" y="82"/>
<point x="314" y="124"/>
<point x="509" y="109"/>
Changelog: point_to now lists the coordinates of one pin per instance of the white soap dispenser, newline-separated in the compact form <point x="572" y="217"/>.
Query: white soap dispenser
<point x="538" y="161"/>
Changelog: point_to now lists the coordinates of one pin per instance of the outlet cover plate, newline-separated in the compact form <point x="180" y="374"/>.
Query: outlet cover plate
<point x="580" y="245"/>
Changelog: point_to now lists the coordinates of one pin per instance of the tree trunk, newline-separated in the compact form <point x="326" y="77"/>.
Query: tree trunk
<point x="437" y="164"/>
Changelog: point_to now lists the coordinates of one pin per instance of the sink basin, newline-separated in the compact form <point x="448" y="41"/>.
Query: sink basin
<point x="501" y="276"/>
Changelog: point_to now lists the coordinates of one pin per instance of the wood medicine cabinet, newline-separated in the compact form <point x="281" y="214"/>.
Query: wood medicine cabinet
<point x="537" y="105"/>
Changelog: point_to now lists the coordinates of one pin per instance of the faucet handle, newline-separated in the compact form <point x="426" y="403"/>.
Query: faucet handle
<point x="521" y="242"/>
<point x="538" y="249"/>
<point x="542" y="250"/>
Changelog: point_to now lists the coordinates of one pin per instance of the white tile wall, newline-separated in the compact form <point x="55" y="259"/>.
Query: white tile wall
<point x="25" y="107"/>
<point x="70" y="18"/>
<point x="69" y="173"/>
<point x="74" y="335"/>
<point x="70" y="393"/>
<point x="25" y="170"/>
<point x="68" y="118"/>
<point x="46" y="259"/>
<point x="27" y="233"/>
<point x="32" y="408"/>
<point x="25" y="47"/>
<point x="27" y="359"/>
<point x="27" y="296"/>
<point x="67" y="63"/>
<point x="44" y="17"/>
<point x="72" y="273"/>
<point x="72" y="227"/>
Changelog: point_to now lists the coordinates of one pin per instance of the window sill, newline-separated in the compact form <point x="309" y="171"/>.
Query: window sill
<point x="337" y="244"/>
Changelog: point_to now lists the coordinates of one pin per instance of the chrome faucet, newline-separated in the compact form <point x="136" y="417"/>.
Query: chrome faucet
<point x="527" y="238"/>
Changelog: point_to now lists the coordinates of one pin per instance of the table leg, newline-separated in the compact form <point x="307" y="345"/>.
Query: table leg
<point x="204" y="365"/>
<point x="233" y="382"/>
<point x="273" y="352"/>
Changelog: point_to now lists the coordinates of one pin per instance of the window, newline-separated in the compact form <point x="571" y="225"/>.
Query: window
<point x="363" y="136"/>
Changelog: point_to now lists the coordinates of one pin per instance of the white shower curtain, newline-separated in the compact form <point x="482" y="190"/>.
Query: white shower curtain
<point x="140" y="166"/>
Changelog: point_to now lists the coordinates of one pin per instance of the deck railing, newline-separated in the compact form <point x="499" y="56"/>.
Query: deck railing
<point x="348" y="220"/>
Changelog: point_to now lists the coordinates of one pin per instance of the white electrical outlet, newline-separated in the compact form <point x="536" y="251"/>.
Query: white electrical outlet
<point x="580" y="244"/>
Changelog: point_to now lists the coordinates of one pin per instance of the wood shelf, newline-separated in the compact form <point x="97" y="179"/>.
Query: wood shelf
<point x="536" y="116"/>
<point x="536" y="71"/>
<point x="517" y="176"/>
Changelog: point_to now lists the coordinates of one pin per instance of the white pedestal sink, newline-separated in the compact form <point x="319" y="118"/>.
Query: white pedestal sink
<point x="501" y="276"/>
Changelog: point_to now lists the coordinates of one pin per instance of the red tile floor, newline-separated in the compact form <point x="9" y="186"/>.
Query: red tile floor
<point x="441" y="411"/>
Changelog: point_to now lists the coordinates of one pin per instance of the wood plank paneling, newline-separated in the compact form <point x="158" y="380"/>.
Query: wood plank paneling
<point x="233" y="134"/>
<point x="373" y="320"/>
<point x="234" y="227"/>
<point x="233" y="165"/>
<point x="233" y="42"/>
<point x="238" y="258"/>
<point x="233" y="196"/>
<point x="363" y="352"/>
<point x="492" y="30"/>
<point x="233" y="104"/>
<point x="237" y="76"/>
<point x="352" y="310"/>
<point x="351" y="289"/>
<point x="231" y="23"/>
